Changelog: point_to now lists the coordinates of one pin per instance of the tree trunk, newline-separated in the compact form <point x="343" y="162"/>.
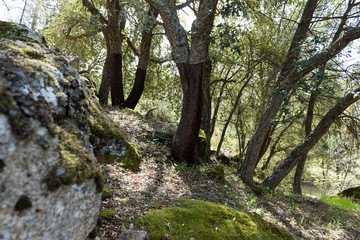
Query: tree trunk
<point x="290" y="162"/>
<point x="206" y="109"/>
<point x="137" y="89"/>
<point x="272" y="149"/>
<point x="140" y="75"/>
<point x="117" y="92"/>
<point x="284" y="85"/>
<point x="184" y="143"/>
<point x="216" y="110"/>
<point x="302" y="160"/>
<point x="232" y="112"/>
<point x="104" y="89"/>
<point x="22" y="12"/>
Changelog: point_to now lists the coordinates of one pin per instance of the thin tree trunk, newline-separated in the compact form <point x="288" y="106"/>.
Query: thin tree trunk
<point x="290" y="162"/>
<point x="206" y="111"/>
<point x="302" y="160"/>
<point x="184" y="143"/>
<point x="117" y="92"/>
<point x="216" y="110"/>
<point x="104" y="89"/>
<point x="232" y="112"/>
<point x="22" y="12"/>
<point x="140" y="75"/>
<point x="273" y="147"/>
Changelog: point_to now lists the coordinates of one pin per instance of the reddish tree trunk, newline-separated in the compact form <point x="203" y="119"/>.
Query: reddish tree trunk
<point x="184" y="144"/>
<point x="117" y="93"/>
<point x="137" y="90"/>
<point x="104" y="90"/>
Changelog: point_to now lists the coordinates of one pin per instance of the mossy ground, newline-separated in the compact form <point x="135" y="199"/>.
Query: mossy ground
<point x="204" y="220"/>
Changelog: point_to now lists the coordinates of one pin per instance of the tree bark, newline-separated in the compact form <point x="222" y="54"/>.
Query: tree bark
<point x="104" y="89"/>
<point x="184" y="144"/>
<point x="190" y="63"/>
<point x="113" y="35"/>
<point x="117" y="92"/>
<point x="216" y="110"/>
<point x="302" y="160"/>
<point x="290" y="162"/>
<point x="206" y="109"/>
<point x="145" y="46"/>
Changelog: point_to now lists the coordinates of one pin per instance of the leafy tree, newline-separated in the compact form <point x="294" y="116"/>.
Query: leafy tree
<point x="292" y="71"/>
<point x="190" y="62"/>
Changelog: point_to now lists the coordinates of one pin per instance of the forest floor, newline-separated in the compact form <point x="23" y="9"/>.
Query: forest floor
<point x="160" y="181"/>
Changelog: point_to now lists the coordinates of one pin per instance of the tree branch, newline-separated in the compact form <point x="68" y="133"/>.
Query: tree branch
<point x="183" y="5"/>
<point x="94" y="11"/>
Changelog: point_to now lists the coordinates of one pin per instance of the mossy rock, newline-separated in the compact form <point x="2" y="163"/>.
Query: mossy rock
<point x="202" y="146"/>
<point x="204" y="220"/>
<point x="110" y="144"/>
<point x="217" y="172"/>
<point x="15" y="31"/>
<point x="131" y="159"/>
<point x="106" y="193"/>
<point x="77" y="163"/>
<point x="107" y="214"/>
<point x="351" y="193"/>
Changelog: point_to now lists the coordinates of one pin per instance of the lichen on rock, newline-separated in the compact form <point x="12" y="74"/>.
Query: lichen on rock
<point x="50" y="182"/>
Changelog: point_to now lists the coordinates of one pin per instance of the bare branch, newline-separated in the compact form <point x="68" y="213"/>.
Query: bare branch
<point x="84" y="35"/>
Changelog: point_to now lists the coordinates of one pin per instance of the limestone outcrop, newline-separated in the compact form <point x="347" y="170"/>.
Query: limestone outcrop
<point x="50" y="122"/>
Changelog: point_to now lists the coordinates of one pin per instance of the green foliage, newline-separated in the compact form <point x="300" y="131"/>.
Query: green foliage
<point x="107" y="214"/>
<point x="342" y="202"/>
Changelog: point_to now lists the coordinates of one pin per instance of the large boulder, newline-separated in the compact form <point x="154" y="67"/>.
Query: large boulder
<point x="50" y="184"/>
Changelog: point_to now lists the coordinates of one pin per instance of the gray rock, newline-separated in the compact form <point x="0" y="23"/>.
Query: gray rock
<point x="50" y="185"/>
<point x="134" y="235"/>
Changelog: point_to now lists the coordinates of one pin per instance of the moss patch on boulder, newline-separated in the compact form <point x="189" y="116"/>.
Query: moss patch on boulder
<point x="204" y="220"/>
<point x="110" y="144"/>
<point x="77" y="163"/>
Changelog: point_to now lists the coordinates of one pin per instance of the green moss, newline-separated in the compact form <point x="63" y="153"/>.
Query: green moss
<point x="202" y="146"/>
<point x="203" y="220"/>
<point x="14" y="31"/>
<point x="22" y="203"/>
<point x="107" y="214"/>
<point x="217" y="172"/>
<point x="102" y="129"/>
<point x="76" y="165"/>
<point x="107" y="193"/>
<point x="61" y="58"/>
<point x="132" y="158"/>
